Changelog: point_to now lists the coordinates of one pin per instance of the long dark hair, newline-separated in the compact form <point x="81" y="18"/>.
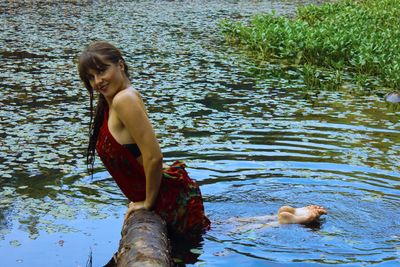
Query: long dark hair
<point x="95" y="57"/>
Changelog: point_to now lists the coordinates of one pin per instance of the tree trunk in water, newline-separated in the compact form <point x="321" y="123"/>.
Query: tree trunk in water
<point x="144" y="241"/>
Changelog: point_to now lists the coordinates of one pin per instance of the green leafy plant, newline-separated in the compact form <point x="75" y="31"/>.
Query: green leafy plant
<point x="362" y="37"/>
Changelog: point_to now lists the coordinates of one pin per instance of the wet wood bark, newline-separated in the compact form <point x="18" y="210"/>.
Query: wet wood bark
<point x="144" y="241"/>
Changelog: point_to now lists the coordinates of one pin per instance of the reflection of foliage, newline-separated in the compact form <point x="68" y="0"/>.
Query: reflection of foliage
<point x="38" y="206"/>
<point x="5" y="223"/>
<point x="214" y="101"/>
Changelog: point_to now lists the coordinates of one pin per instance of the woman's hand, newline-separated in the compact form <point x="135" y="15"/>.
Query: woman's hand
<point x="133" y="206"/>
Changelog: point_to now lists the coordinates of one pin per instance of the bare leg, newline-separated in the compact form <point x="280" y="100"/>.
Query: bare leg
<point x="254" y="226"/>
<point x="308" y="214"/>
<point x="286" y="215"/>
<point x="257" y="219"/>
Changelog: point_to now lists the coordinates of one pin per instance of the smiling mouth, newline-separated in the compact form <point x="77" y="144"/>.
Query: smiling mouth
<point x="102" y="88"/>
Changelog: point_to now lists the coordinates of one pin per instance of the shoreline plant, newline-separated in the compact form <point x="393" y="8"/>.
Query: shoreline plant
<point x="358" y="36"/>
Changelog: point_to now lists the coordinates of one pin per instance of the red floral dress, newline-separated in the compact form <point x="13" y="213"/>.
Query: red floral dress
<point x="179" y="201"/>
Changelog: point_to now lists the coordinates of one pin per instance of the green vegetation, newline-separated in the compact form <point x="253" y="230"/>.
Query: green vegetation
<point x="362" y="37"/>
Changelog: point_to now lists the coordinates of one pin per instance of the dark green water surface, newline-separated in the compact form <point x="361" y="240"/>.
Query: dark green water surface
<point x="254" y="137"/>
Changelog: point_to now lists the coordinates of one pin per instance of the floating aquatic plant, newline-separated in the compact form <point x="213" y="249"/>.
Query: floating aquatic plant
<point x="358" y="36"/>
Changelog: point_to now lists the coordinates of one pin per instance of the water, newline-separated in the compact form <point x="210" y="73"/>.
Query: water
<point x="253" y="135"/>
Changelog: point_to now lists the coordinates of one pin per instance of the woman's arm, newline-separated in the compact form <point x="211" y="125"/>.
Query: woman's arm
<point x="130" y="110"/>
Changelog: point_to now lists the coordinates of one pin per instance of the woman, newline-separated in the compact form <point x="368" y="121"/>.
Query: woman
<point x="125" y="141"/>
<point x="124" y="138"/>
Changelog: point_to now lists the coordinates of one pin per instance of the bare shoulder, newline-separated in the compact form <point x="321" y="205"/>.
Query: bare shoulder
<point x="127" y="96"/>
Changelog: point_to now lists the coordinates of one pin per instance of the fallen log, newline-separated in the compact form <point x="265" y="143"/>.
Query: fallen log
<point x="144" y="241"/>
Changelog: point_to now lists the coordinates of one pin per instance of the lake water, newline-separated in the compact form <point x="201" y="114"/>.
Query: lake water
<point x="253" y="135"/>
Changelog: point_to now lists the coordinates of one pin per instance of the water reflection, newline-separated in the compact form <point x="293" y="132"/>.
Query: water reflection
<point x="360" y="218"/>
<point x="254" y="136"/>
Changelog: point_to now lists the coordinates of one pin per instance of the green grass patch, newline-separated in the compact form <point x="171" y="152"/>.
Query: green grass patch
<point x="362" y="37"/>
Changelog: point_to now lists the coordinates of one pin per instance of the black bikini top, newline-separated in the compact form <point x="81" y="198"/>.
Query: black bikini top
<point x="134" y="149"/>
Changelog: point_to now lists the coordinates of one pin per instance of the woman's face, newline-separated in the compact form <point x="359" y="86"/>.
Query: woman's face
<point x="108" y="81"/>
